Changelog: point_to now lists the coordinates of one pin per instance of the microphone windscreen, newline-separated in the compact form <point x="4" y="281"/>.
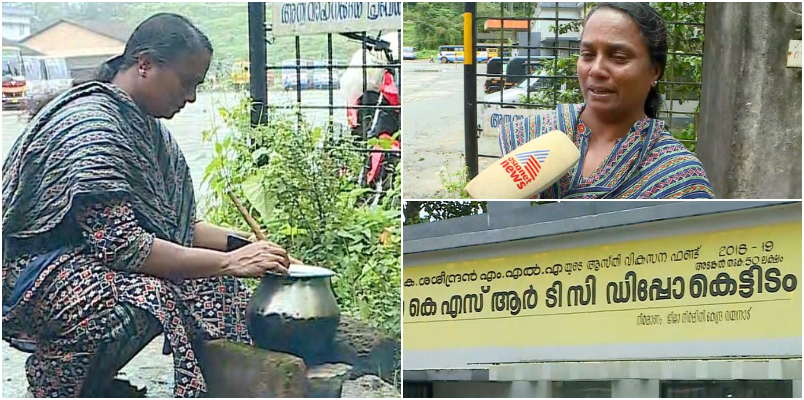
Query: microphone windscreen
<point x="528" y="170"/>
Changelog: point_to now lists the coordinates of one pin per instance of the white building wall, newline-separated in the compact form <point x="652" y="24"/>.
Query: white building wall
<point x="544" y="26"/>
<point x="16" y="27"/>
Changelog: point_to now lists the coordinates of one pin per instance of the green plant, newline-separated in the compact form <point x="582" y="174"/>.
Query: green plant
<point x="454" y="183"/>
<point x="440" y="28"/>
<point x="301" y="181"/>
<point x="425" y="54"/>
<point x="417" y="212"/>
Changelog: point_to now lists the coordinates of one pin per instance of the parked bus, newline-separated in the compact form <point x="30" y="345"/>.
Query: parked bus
<point x="408" y="53"/>
<point x="46" y="76"/>
<point x="321" y="75"/>
<point x="455" y="53"/>
<point x="14" y="83"/>
<point x="451" y="53"/>
<point x="486" y="52"/>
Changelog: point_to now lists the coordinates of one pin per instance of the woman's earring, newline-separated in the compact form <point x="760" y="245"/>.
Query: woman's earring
<point x="655" y="83"/>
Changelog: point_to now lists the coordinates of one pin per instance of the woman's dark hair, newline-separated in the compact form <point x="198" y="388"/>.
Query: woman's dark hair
<point x="165" y="37"/>
<point x="654" y="35"/>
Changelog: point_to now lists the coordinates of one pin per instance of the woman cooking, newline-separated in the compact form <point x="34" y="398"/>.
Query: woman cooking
<point x="626" y="152"/>
<point x="101" y="248"/>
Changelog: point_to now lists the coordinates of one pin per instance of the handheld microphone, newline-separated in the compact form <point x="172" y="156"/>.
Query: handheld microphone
<point x="528" y="170"/>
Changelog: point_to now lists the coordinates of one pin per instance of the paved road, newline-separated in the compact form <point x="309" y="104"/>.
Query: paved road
<point x="150" y="369"/>
<point x="432" y="119"/>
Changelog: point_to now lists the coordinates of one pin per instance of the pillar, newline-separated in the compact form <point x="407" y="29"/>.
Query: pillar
<point x="643" y="388"/>
<point x="749" y="133"/>
<point x="531" y="389"/>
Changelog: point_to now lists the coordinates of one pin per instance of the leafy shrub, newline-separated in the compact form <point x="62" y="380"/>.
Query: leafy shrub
<point x="302" y="184"/>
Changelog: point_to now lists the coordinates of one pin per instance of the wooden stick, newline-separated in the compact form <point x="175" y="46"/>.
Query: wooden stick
<point x="249" y="219"/>
<point x="255" y="227"/>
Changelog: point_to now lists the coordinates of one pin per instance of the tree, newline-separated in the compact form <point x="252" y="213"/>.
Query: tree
<point x="416" y="212"/>
<point x="436" y="24"/>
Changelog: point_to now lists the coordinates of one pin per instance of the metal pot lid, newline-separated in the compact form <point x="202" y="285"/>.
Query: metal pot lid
<point x="308" y="271"/>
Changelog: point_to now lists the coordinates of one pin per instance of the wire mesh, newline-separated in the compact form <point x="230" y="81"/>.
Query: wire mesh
<point x="509" y="45"/>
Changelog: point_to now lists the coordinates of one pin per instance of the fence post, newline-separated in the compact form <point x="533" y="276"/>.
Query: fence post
<point x="258" y="80"/>
<point x="470" y="88"/>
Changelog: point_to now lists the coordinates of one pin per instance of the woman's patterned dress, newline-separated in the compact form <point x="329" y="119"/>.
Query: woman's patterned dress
<point x="86" y="189"/>
<point x="647" y="163"/>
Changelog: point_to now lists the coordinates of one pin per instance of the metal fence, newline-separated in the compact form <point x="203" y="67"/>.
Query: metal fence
<point x="260" y="35"/>
<point x="555" y="81"/>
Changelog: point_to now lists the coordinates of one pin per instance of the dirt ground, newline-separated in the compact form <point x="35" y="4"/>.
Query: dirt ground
<point x="153" y="370"/>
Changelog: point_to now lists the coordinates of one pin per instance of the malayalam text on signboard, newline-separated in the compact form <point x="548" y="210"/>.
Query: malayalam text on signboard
<point x="728" y="285"/>
<point x="309" y="18"/>
<point x="494" y="118"/>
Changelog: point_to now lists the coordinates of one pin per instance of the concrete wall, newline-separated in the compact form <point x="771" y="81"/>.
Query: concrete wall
<point x="749" y="137"/>
<point x="535" y="40"/>
<point x="512" y="228"/>
<point x="543" y="26"/>
<point x="631" y="388"/>
<point x="614" y="388"/>
<point x="471" y="389"/>
<point x="507" y="221"/>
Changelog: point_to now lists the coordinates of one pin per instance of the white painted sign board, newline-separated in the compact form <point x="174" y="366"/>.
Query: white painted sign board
<point x="317" y="17"/>
<point x="794" y="54"/>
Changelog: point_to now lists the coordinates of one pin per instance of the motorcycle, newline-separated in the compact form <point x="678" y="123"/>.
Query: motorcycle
<point x="373" y="112"/>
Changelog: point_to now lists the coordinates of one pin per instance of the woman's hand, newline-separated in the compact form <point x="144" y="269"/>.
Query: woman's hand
<point x="293" y="261"/>
<point x="257" y="259"/>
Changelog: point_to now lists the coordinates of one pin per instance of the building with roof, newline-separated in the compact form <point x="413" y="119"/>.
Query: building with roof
<point x="91" y="43"/>
<point x="536" y="33"/>
<point x="605" y="299"/>
<point x="572" y="10"/>
<point x="16" y="23"/>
